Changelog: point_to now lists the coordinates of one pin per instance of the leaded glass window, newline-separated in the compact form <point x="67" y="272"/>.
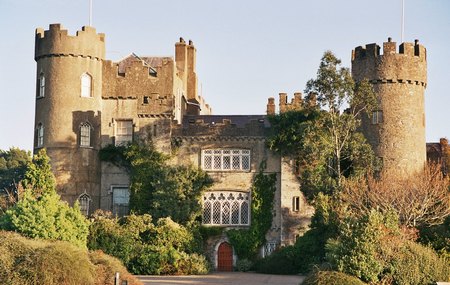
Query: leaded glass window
<point x="226" y="208"/>
<point x="226" y="159"/>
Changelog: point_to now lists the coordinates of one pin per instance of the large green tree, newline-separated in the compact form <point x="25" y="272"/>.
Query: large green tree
<point x="323" y="136"/>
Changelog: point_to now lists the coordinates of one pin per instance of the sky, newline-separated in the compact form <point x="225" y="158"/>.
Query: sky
<point x="247" y="50"/>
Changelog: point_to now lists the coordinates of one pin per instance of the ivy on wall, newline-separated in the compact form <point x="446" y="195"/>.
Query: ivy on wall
<point x="247" y="242"/>
<point x="157" y="188"/>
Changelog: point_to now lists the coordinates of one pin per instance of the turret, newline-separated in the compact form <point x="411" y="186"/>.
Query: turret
<point x="68" y="108"/>
<point x="396" y="130"/>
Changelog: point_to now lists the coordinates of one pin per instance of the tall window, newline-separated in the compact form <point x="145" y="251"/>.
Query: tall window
<point x="226" y="159"/>
<point x="41" y="85"/>
<point x="121" y="199"/>
<point x="85" y="135"/>
<point x="377" y="117"/>
<point x="226" y="208"/>
<point x="84" y="200"/>
<point x="86" y="85"/>
<point x="40" y="135"/>
<point x="124" y="132"/>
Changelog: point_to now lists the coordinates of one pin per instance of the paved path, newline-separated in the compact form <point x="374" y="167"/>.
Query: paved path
<point x="223" y="278"/>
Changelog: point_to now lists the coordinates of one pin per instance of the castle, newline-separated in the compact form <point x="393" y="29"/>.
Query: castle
<point x="85" y="102"/>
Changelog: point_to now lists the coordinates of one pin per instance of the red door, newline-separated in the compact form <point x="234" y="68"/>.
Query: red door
<point x="225" y="257"/>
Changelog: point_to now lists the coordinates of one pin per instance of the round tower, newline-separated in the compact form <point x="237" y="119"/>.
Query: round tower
<point x="396" y="130"/>
<point x="68" y="109"/>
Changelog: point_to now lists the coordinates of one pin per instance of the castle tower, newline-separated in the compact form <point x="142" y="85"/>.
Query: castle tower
<point x="396" y="130"/>
<point x="68" y="109"/>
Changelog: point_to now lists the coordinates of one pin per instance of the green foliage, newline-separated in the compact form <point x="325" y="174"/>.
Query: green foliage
<point x="323" y="138"/>
<point x="158" y="188"/>
<point x="356" y="250"/>
<point x="40" y="213"/>
<point x="416" y="264"/>
<point x="331" y="278"/>
<point x="25" y="261"/>
<point x="246" y="242"/>
<point x="39" y="177"/>
<point x="243" y="265"/>
<point x="283" y="261"/>
<point x="13" y="164"/>
<point x="46" y="217"/>
<point x="438" y="237"/>
<point x="145" y="248"/>
<point x="207" y="232"/>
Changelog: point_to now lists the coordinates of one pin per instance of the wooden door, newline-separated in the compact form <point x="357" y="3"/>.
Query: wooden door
<point x="225" y="257"/>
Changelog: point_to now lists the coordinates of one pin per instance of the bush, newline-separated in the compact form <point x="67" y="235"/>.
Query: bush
<point x="26" y="261"/>
<point x="145" y="248"/>
<point x="331" y="278"/>
<point x="417" y="264"/>
<point x="107" y="266"/>
<point x="282" y="261"/>
<point x="243" y="265"/>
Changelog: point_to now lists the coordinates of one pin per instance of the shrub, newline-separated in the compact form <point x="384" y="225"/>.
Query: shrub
<point x="331" y="278"/>
<point x="417" y="264"/>
<point x="28" y="261"/>
<point x="244" y="265"/>
<point x="145" y="248"/>
<point x="282" y="261"/>
<point x="105" y="268"/>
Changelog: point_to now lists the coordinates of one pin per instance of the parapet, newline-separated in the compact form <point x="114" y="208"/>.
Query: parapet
<point x="56" y="42"/>
<point x="295" y="104"/>
<point x="408" y="64"/>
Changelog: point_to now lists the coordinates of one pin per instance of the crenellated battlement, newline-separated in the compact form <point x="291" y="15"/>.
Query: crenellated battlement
<point x="57" y="42"/>
<point x="389" y="48"/>
<point x="408" y="64"/>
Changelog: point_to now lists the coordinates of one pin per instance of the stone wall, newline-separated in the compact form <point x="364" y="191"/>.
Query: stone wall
<point x="399" y="79"/>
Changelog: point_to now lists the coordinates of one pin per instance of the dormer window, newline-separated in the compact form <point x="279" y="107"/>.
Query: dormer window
<point x="86" y="85"/>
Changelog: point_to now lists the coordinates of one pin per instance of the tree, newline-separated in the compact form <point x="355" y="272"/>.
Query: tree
<point x="40" y="213"/>
<point x="323" y="136"/>
<point x="13" y="165"/>
<point x="420" y="200"/>
<point x="344" y="103"/>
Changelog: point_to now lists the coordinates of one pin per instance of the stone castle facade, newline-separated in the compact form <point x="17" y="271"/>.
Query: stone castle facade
<point x="85" y="102"/>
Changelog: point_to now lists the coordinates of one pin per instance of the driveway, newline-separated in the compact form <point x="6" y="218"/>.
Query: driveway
<point x="223" y="278"/>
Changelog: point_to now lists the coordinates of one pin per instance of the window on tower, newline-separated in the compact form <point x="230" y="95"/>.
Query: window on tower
<point x="40" y="135"/>
<point x="41" y="91"/>
<point x="377" y="117"/>
<point x="86" y="85"/>
<point x="85" y="135"/>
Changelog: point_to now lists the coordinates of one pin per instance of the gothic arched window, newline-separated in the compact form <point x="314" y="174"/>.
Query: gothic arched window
<point x="86" y="85"/>
<point x="85" y="134"/>
<point x="226" y="208"/>
<point x="84" y="200"/>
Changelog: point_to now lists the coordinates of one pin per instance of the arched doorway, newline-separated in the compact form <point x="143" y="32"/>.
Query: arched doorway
<point x="225" y="257"/>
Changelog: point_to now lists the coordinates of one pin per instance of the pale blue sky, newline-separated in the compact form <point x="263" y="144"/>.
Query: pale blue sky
<point x="247" y="50"/>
